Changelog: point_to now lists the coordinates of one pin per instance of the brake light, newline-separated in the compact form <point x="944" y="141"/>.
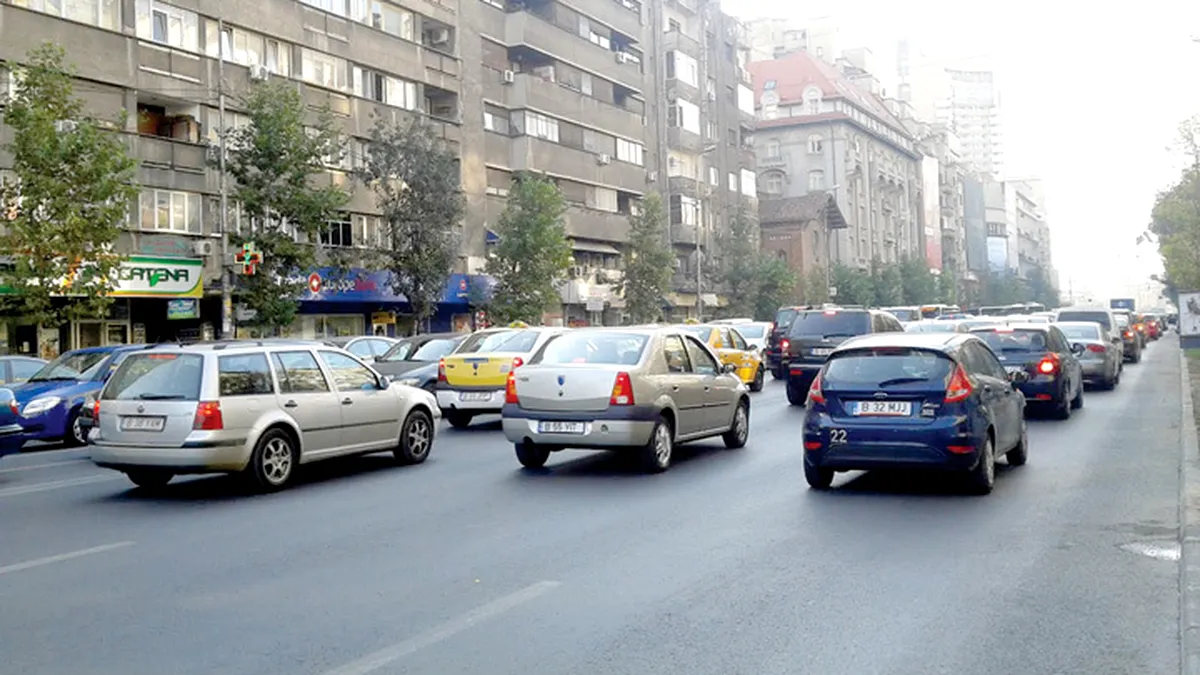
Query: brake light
<point x="1048" y="365"/>
<point x="830" y="312"/>
<point x="1128" y="333"/>
<point x="1140" y="328"/>
<point x="959" y="388"/>
<point x="96" y="412"/>
<point x="784" y="344"/>
<point x="815" y="395"/>
<point x="441" y="370"/>
<point x="1099" y="349"/>
<point x="510" y="390"/>
<point x="208" y="416"/>
<point x="622" y="391"/>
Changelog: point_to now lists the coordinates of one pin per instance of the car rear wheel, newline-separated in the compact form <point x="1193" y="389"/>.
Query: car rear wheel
<point x="458" y="420"/>
<point x="656" y="455"/>
<point x="149" y="479"/>
<point x="273" y="462"/>
<point x="795" y="395"/>
<point x="76" y="435"/>
<point x="982" y="477"/>
<point x="531" y="455"/>
<point x="416" y="438"/>
<point x="778" y="373"/>
<point x="1020" y="454"/>
<point x="739" y="431"/>
<point x="818" y="478"/>
<point x="759" y="377"/>
<point x="1077" y="402"/>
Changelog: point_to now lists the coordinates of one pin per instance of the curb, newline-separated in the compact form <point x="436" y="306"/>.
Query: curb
<point x="1189" y="529"/>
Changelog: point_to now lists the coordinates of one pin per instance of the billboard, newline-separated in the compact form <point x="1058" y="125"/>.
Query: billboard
<point x="932" y="212"/>
<point x="1189" y="314"/>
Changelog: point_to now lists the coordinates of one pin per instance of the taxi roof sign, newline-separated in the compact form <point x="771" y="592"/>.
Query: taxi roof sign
<point x="518" y="324"/>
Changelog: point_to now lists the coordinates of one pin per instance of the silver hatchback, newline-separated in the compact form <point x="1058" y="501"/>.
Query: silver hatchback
<point x="255" y="408"/>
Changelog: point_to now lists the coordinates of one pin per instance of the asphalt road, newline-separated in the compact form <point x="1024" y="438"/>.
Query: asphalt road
<point x="726" y="564"/>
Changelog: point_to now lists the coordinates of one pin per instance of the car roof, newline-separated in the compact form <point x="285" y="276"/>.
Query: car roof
<point x="1005" y="327"/>
<point x="936" y="341"/>
<point x="1085" y="309"/>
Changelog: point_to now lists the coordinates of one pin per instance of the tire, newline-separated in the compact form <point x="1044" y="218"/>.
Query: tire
<point x="74" y="431"/>
<point x="273" y="462"/>
<point x="656" y="455"/>
<point x="759" y="380"/>
<point x="739" y="431"/>
<point x="530" y="455"/>
<point x="982" y="478"/>
<point x="1020" y="454"/>
<point x="795" y="396"/>
<point x="778" y="374"/>
<point x="416" y="438"/>
<point x="1077" y="402"/>
<point x="1137" y="356"/>
<point x="149" y="479"/>
<point x="458" y="420"/>
<point x="818" y="478"/>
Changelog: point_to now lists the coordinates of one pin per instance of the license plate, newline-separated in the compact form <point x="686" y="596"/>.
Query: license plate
<point x="821" y="351"/>
<point x="143" y="423"/>
<point x="475" y="396"/>
<point x="560" y="427"/>
<point x="1013" y="369"/>
<point x="882" y="408"/>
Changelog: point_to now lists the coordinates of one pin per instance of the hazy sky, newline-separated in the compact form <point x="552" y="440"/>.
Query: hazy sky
<point x="1091" y="103"/>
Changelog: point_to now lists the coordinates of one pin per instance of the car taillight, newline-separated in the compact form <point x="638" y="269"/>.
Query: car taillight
<point x="622" y="391"/>
<point x="959" y="388"/>
<point x="815" y="395"/>
<point x="96" y="413"/>
<point x="1140" y="328"/>
<point x="1099" y="349"/>
<point x="208" y="416"/>
<point x="1048" y="365"/>
<point x="510" y="390"/>
<point x="517" y="362"/>
<point x="441" y="370"/>
<point x="784" y="344"/>
<point x="1128" y="333"/>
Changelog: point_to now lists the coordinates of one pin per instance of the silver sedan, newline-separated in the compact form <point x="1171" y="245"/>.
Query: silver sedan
<point x="1101" y="354"/>
<point x="644" y="389"/>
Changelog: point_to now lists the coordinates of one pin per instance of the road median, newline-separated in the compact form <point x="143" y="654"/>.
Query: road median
<point x="1189" y="515"/>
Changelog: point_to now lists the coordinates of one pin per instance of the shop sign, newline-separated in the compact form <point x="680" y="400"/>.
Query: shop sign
<point x="330" y="284"/>
<point x="154" y="277"/>
<point x="183" y="308"/>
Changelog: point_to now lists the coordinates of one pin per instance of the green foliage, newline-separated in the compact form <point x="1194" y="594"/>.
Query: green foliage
<point x="1175" y="219"/>
<point x="888" y="284"/>
<point x="648" y="263"/>
<point x="532" y="253"/>
<point x="740" y="264"/>
<point x="854" y="286"/>
<point x="415" y="178"/>
<point x="275" y="163"/>
<point x="947" y="287"/>
<point x="816" y="289"/>
<point x="66" y="202"/>
<point x="918" y="285"/>
<point x="776" y="287"/>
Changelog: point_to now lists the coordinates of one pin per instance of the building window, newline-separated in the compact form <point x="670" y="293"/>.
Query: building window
<point x="745" y="99"/>
<point x="749" y="183"/>
<point x="604" y="199"/>
<point x="685" y="115"/>
<point x="816" y="180"/>
<point x="816" y="145"/>
<point x="673" y="26"/>
<point x="384" y="88"/>
<point x="369" y="231"/>
<point x="334" y="6"/>
<point x="714" y="176"/>
<point x="628" y="151"/>
<point x="769" y="85"/>
<point x="585" y="83"/>
<point x="774" y="184"/>
<point x="682" y="67"/>
<point x="773" y="149"/>
<point x="323" y="70"/>
<point x="733" y="182"/>
<point x="340" y="233"/>
<point x="102" y="13"/>
<point x="246" y="48"/>
<point x="170" y="210"/>
<point x="541" y="126"/>
<point x="495" y="120"/>
<point x="685" y="210"/>
<point x="167" y="25"/>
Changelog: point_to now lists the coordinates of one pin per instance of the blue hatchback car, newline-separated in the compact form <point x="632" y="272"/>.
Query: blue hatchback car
<point x="50" y="401"/>
<point x="914" y="400"/>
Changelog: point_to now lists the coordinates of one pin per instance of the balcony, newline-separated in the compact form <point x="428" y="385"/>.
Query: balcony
<point x="684" y="234"/>
<point x="683" y="282"/>
<point x="162" y="60"/>
<point x="170" y="164"/>
<point x="530" y="91"/>
<point x="685" y="185"/>
<point x="677" y="88"/>
<point x="528" y="153"/>
<point x="621" y="16"/>
<point x="598" y="225"/>
<point x="91" y="50"/>
<point x="523" y="28"/>
<point x="776" y="162"/>
<point x="678" y="41"/>
<point x="680" y="139"/>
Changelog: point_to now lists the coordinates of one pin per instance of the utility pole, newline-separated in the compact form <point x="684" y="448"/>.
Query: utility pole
<point x="226" y="271"/>
<point x="705" y="111"/>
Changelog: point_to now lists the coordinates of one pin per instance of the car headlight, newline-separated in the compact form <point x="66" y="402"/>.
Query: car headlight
<point x="40" y="405"/>
<point x="410" y="382"/>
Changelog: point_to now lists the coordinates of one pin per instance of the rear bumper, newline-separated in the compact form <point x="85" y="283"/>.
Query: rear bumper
<point x="223" y="457"/>
<point x="872" y="447"/>
<point x="452" y="399"/>
<point x="621" y="427"/>
<point x="1094" y="370"/>
<point x="1044" y="391"/>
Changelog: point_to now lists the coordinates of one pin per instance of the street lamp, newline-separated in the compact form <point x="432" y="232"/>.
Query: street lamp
<point x="699" y="225"/>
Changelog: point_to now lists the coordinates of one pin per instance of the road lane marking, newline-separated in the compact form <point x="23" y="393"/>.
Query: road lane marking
<point x="54" y="485"/>
<point x="374" y="661"/>
<point x="51" y="465"/>
<point x="17" y="567"/>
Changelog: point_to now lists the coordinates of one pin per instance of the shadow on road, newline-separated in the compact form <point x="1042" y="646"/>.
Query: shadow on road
<point x="915" y="483"/>
<point x="601" y="464"/>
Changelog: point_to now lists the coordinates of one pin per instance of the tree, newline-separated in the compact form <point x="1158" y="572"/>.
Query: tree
<point x="275" y="162"/>
<point x="854" y="286"/>
<point x="64" y="205"/>
<point x="1041" y="290"/>
<point x="887" y="282"/>
<point x="740" y="266"/>
<point x="776" y="284"/>
<point x="648" y="263"/>
<point x="918" y="285"/>
<point x="1175" y="220"/>
<point x="532" y="253"/>
<point x="415" y="178"/>
<point x="816" y="287"/>
<point x="948" y="286"/>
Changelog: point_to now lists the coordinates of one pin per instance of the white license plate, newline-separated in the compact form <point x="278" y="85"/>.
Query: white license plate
<point x="821" y="351"/>
<point x="143" y="423"/>
<point x="475" y="396"/>
<point x="1013" y="369"/>
<point x="560" y="427"/>
<point x="882" y="408"/>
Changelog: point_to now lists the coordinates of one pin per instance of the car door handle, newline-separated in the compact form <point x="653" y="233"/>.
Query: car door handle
<point x="674" y="387"/>
<point x="347" y="401"/>
<point x="707" y="388"/>
<point x="290" y="404"/>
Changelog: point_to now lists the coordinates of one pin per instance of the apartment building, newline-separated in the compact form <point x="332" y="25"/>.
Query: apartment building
<point x="710" y="163"/>
<point x="820" y="132"/>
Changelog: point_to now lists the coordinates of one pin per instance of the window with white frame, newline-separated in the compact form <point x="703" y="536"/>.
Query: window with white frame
<point x="684" y="68"/>
<point x="604" y="199"/>
<point x="247" y="48"/>
<point x="816" y="144"/>
<point x="335" y="6"/>
<point x="714" y="176"/>
<point x="685" y="210"/>
<point x="382" y="88"/>
<point x="679" y="164"/>
<point x="774" y="183"/>
<point x="628" y="151"/>
<point x="389" y="19"/>
<point x="541" y="126"/>
<point x="167" y="25"/>
<point x="369" y="232"/>
<point x="170" y="210"/>
<point x="102" y="13"/>
<point x="685" y="115"/>
<point x="745" y="99"/>
<point x="772" y="149"/>
<point x="495" y="120"/>
<point x="733" y="182"/>
<point x="323" y="70"/>
<point x="816" y="180"/>
<point x="749" y="183"/>
<point x="339" y="233"/>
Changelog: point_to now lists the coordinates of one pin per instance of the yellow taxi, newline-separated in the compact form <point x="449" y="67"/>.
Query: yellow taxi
<point x="732" y="348"/>
<point x="472" y="378"/>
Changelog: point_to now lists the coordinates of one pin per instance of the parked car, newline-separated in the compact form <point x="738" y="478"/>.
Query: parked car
<point x="52" y="399"/>
<point x="10" y="426"/>
<point x="365" y="347"/>
<point x="932" y="401"/>
<point x="1103" y="355"/>
<point x="259" y="409"/>
<point x="733" y="349"/>
<point x="1043" y="353"/>
<point x="417" y="352"/>
<point x="815" y="333"/>
<point x="643" y="390"/>
<point x="16" y="370"/>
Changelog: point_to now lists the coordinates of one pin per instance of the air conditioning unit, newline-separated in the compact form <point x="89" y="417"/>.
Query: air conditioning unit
<point x="204" y="247"/>
<point x="602" y="159"/>
<point x="439" y="36"/>
<point x="65" y="126"/>
<point x="259" y="73"/>
<point x="651" y="176"/>
<point x="509" y="77"/>
<point x="622" y="57"/>
<point x="214" y="153"/>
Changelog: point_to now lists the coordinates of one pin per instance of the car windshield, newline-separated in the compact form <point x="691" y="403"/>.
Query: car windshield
<point x="1092" y="317"/>
<point x="515" y="341"/>
<point x="701" y="332"/>
<point x="434" y="349"/>
<point x="156" y="377"/>
<point x="1081" y="332"/>
<point x="906" y="314"/>
<point x="1013" y="340"/>
<point x="69" y="366"/>
<point x="831" y="323"/>
<point x="752" y="331"/>
<point x="594" y="347"/>
<point x="932" y="327"/>
<point x="886" y="367"/>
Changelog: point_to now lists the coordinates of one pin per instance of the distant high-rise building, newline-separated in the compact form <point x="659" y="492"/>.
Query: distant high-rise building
<point x="777" y="38"/>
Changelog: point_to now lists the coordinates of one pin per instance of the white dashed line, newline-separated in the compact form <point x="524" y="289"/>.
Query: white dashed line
<point x="17" y="567"/>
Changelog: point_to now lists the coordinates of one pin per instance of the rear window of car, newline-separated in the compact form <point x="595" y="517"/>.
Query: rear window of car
<point x="932" y="327"/>
<point x="1013" y="340"/>
<point x="784" y="317"/>
<point x="886" y="367"/>
<point x="831" y="323"/>
<point x="610" y="349"/>
<point x="1081" y="332"/>
<point x="752" y="331"/>
<point x="702" y="332"/>
<point x="905" y="314"/>
<point x="1094" y="317"/>
<point x="156" y="377"/>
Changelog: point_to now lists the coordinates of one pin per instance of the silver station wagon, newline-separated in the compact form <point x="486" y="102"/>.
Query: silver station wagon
<point x="640" y="389"/>
<point x="259" y="409"/>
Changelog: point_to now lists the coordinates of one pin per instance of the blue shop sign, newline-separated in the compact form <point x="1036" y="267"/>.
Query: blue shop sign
<point x="329" y="284"/>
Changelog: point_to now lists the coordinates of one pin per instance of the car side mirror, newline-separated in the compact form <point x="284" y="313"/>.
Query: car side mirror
<point x="384" y="381"/>
<point x="1018" y="376"/>
<point x="1077" y="348"/>
<point x="728" y="368"/>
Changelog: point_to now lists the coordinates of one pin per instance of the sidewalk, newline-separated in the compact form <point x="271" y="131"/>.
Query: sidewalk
<point x="1189" y="515"/>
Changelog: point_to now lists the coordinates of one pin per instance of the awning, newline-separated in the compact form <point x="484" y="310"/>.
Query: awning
<point x="709" y="299"/>
<point x="594" y="247"/>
